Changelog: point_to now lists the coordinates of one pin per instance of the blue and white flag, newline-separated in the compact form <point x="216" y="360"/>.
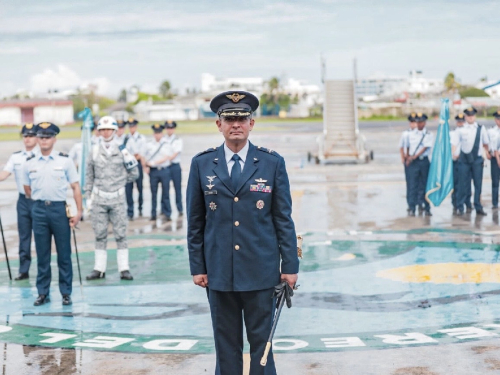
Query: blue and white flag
<point x="440" y="179"/>
<point x="88" y="124"/>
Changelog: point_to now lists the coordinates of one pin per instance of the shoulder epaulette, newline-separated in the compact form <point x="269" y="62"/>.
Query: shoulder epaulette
<point x="211" y="149"/>
<point x="17" y="152"/>
<point x="63" y="154"/>
<point x="30" y="157"/>
<point x="267" y="150"/>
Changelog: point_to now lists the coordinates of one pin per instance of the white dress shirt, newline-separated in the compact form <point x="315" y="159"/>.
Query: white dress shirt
<point x="467" y="135"/>
<point x="229" y="154"/>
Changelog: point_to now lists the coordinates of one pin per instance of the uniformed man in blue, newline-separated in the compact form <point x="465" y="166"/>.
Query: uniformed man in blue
<point x="455" y="151"/>
<point x="175" y="145"/>
<point x="135" y="143"/>
<point x="156" y="162"/>
<point x="403" y="151"/>
<point x="120" y="133"/>
<point x="241" y="237"/>
<point x="46" y="178"/>
<point x="471" y="138"/>
<point x="15" y="165"/>
<point x="419" y="148"/>
<point x="494" y="135"/>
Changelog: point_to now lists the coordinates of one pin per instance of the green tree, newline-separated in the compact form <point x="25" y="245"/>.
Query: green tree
<point x="165" y="89"/>
<point x="450" y="82"/>
<point x="471" y="92"/>
<point x="123" y="96"/>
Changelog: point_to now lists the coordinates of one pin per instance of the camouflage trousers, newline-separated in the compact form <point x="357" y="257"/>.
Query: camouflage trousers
<point x="105" y="213"/>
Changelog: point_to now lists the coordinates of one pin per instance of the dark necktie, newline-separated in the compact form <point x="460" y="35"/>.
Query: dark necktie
<point x="235" y="171"/>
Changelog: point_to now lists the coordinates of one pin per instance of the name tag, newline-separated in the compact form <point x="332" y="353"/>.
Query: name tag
<point x="261" y="188"/>
<point x="210" y="192"/>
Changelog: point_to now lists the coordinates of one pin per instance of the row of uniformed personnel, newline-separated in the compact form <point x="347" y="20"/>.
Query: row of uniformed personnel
<point x="469" y="141"/>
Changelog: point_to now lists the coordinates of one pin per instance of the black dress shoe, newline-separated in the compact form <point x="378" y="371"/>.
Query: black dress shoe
<point x="460" y="213"/>
<point x="130" y="218"/>
<point x="181" y="213"/>
<point x="481" y="212"/>
<point x="22" y="276"/>
<point x="126" y="275"/>
<point x="412" y="213"/>
<point x="427" y="213"/>
<point x="140" y="212"/>
<point x="66" y="300"/>
<point x="469" y="210"/>
<point x="153" y="218"/>
<point x="94" y="275"/>
<point x="42" y="299"/>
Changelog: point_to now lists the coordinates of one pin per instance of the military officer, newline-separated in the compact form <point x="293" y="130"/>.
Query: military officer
<point x="419" y="148"/>
<point x="120" y="132"/>
<point x="15" y="165"/>
<point x="493" y="134"/>
<point x="471" y="138"/>
<point x="135" y="143"/>
<point x="403" y="151"/>
<point x="46" y="178"/>
<point x="156" y="162"/>
<point x="105" y="181"/>
<point x="455" y="151"/>
<point x="240" y="232"/>
<point x="175" y="145"/>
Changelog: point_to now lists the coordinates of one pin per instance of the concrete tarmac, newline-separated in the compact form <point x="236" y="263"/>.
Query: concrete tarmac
<point x="381" y="293"/>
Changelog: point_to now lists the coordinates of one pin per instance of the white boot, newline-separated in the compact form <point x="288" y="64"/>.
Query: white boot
<point x="122" y="260"/>
<point x="101" y="260"/>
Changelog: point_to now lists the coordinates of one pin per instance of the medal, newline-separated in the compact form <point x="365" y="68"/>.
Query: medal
<point x="260" y="204"/>
<point x="213" y="206"/>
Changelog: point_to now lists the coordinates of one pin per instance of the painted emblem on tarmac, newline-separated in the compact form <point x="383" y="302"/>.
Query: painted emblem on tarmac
<point x="260" y="204"/>
<point x="210" y="180"/>
<point x="235" y="97"/>
<point x="212" y="206"/>
<point x="365" y="295"/>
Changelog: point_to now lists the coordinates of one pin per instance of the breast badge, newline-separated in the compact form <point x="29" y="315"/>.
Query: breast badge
<point x="212" y="206"/>
<point x="260" y="204"/>
<point x="261" y="186"/>
<point x="210" y="180"/>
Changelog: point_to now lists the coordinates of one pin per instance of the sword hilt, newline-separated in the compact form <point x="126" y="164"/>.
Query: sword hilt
<point x="263" y="360"/>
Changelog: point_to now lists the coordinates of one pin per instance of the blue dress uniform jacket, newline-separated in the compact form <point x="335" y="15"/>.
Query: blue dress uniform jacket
<point x="238" y="236"/>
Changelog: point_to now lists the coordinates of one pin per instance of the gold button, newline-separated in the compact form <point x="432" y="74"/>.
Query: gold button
<point x="237" y="247"/>
<point x="236" y="223"/>
<point x="236" y="199"/>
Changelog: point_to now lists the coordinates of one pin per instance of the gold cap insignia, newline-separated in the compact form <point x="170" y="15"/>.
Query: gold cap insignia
<point x="157" y="126"/>
<point x="169" y="122"/>
<point x="29" y="126"/>
<point x="460" y="115"/>
<point x="413" y="114"/>
<point x="498" y="112"/>
<point x="419" y="114"/>
<point x="44" y="125"/>
<point x="131" y="119"/>
<point x="470" y="109"/>
<point x="235" y="97"/>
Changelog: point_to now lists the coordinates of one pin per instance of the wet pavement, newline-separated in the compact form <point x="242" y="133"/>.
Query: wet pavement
<point x="381" y="292"/>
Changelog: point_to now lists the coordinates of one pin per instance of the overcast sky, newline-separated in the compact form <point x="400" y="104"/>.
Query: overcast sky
<point x="61" y="43"/>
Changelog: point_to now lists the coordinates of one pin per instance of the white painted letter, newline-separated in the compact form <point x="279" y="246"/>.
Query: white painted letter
<point x="343" y="342"/>
<point x="467" y="332"/>
<point x="296" y="344"/>
<point x="5" y="329"/>
<point x="407" y="339"/>
<point x="170" y="344"/>
<point x="105" y="342"/>
<point x="56" y="337"/>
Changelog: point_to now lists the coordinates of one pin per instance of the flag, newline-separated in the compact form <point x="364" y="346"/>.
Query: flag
<point x="88" y="123"/>
<point x="440" y="178"/>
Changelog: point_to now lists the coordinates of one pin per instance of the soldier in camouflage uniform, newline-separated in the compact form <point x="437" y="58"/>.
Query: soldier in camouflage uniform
<point x="106" y="177"/>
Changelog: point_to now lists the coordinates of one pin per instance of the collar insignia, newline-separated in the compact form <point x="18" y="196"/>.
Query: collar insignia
<point x="235" y="97"/>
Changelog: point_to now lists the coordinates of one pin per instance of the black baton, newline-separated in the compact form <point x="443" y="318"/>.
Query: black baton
<point x="5" y="249"/>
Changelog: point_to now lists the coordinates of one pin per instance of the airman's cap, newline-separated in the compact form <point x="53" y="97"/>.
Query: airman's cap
<point x="460" y="117"/>
<point x="157" y="128"/>
<point x="497" y="114"/>
<point x="121" y="123"/>
<point x="234" y="104"/>
<point x="471" y="111"/>
<point x="412" y="117"/>
<point x="28" y="129"/>
<point x="421" y="117"/>
<point x="46" y="129"/>
<point x="132" y="121"/>
<point x="170" y="124"/>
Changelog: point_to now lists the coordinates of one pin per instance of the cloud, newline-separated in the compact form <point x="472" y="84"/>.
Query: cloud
<point x="64" y="78"/>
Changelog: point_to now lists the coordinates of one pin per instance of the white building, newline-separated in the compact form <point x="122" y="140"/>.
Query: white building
<point x="210" y="83"/>
<point x="178" y="109"/>
<point x="492" y="88"/>
<point x="19" y="112"/>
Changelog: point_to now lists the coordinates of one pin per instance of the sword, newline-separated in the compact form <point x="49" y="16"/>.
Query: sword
<point x="68" y="214"/>
<point x="5" y="249"/>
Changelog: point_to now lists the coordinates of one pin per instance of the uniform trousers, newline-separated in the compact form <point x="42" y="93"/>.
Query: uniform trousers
<point x="419" y="171"/>
<point x="129" y="191"/>
<point x="110" y="212"/>
<point x="160" y="176"/>
<point x="407" y="179"/>
<point x="49" y="219"/>
<point x="24" y="228"/>
<point x="495" y="177"/>
<point x="228" y="311"/>
<point x="176" y="176"/>
<point x="467" y="172"/>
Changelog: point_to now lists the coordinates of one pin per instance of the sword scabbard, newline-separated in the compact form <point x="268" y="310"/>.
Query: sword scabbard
<point x="263" y="361"/>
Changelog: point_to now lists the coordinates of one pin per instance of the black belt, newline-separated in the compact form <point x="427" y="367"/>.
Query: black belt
<point x="49" y="203"/>
<point x="157" y="168"/>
